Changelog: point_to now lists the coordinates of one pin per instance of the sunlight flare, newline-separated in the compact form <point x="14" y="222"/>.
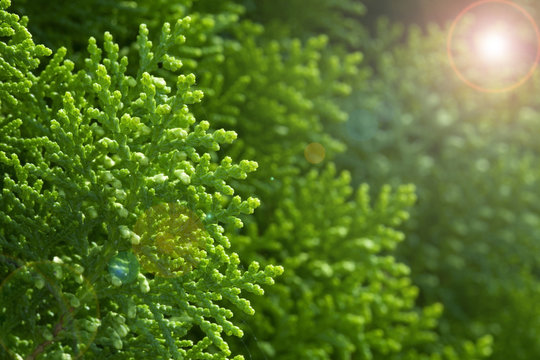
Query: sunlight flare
<point x="494" y="46"/>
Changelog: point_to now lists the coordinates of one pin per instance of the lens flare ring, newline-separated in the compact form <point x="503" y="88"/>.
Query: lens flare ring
<point x="451" y="56"/>
<point x="58" y="300"/>
<point x="173" y="240"/>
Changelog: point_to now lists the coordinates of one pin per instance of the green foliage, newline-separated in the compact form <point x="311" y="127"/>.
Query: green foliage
<point x="85" y="153"/>
<point x="111" y="179"/>
<point x="18" y="59"/>
<point x="472" y="240"/>
<point x="339" y="19"/>
<point x="343" y="295"/>
<point x="276" y="96"/>
<point x="473" y="237"/>
<point x="294" y="313"/>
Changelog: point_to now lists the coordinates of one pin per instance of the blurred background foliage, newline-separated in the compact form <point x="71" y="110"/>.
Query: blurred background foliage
<point x="473" y="237"/>
<point x="288" y="74"/>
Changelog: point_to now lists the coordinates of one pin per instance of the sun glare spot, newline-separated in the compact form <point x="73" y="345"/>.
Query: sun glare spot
<point x="494" y="46"/>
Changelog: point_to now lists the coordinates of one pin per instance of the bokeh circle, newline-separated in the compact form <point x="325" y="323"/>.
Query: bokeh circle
<point x="172" y="240"/>
<point x="314" y="153"/>
<point x="124" y="266"/>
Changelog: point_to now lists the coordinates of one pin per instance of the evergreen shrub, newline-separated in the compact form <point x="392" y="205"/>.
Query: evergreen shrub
<point x="125" y="194"/>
